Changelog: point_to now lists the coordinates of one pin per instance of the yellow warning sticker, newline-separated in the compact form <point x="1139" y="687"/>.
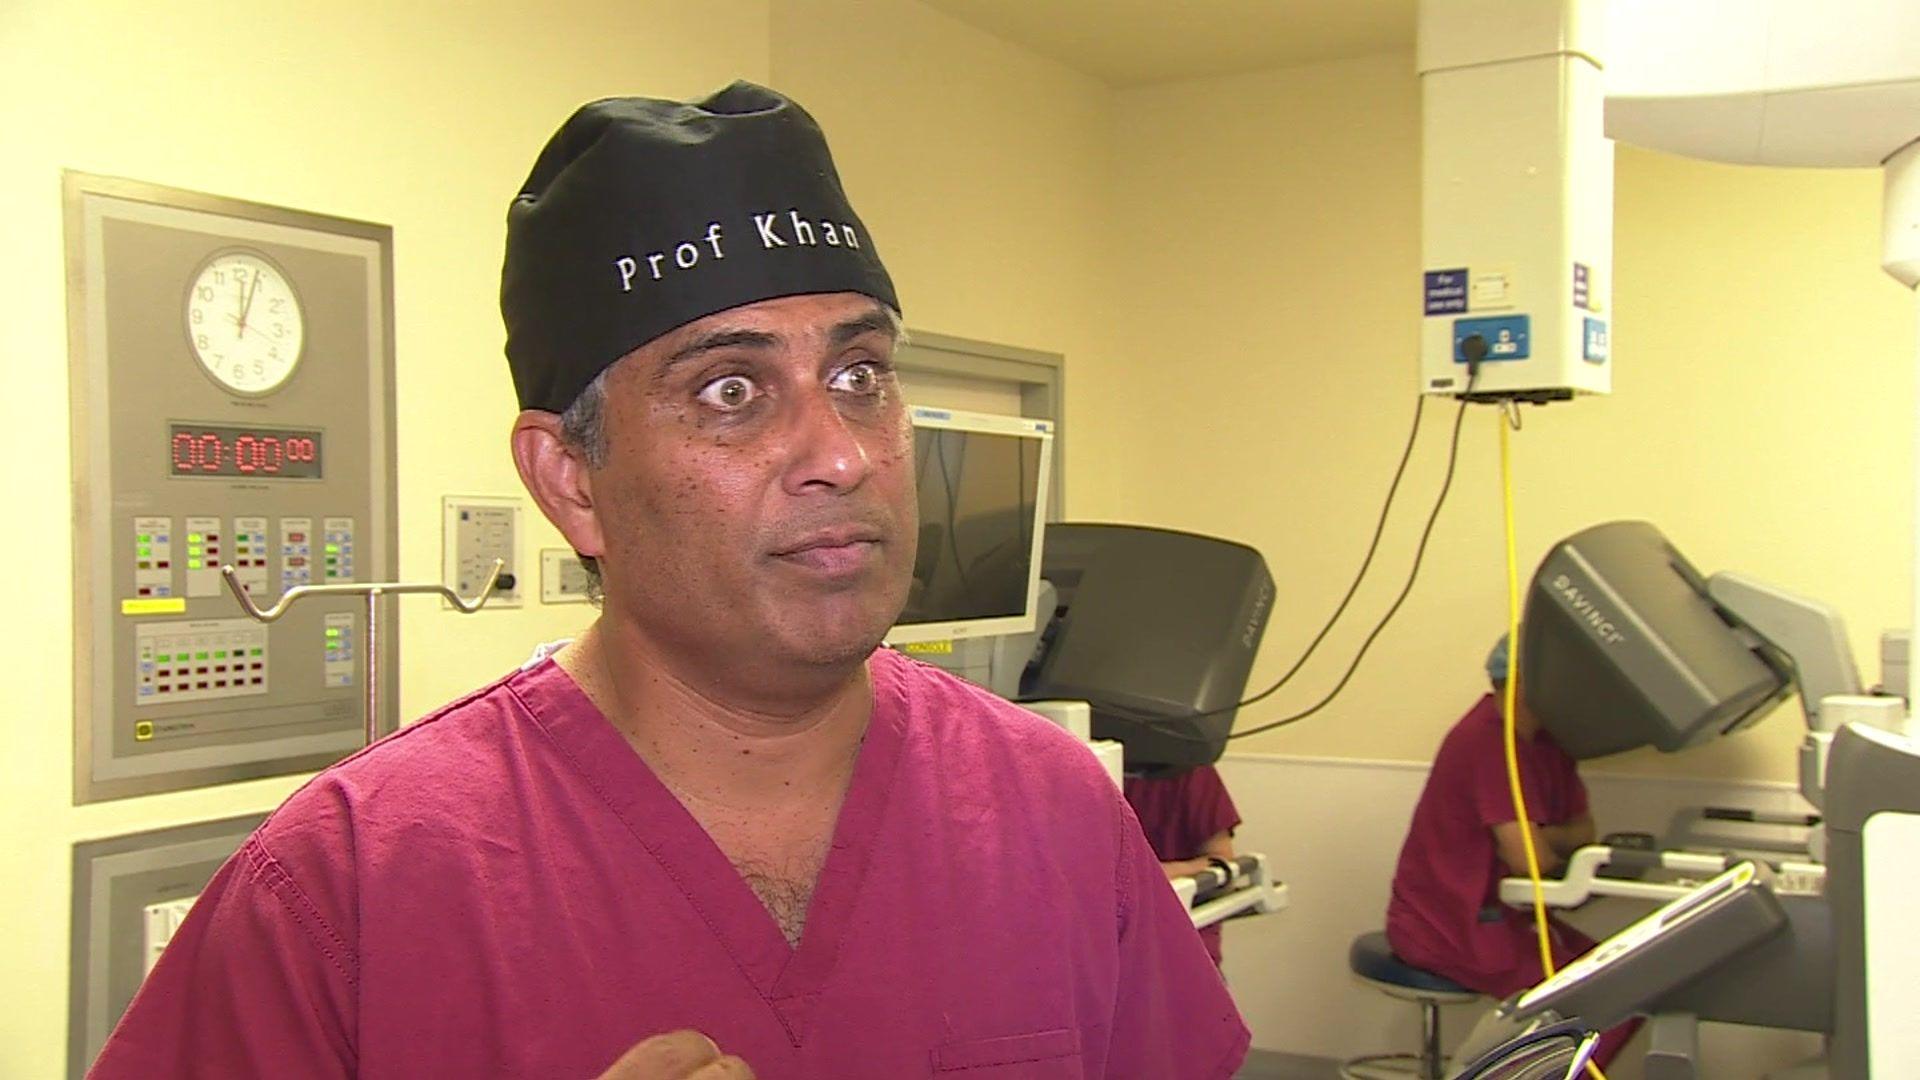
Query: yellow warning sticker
<point x="143" y="730"/>
<point x="929" y="648"/>
<point x="158" y="605"/>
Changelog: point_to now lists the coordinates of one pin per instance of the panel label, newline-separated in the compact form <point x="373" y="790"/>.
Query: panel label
<point x="1446" y="291"/>
<point x="1594" y="343"/>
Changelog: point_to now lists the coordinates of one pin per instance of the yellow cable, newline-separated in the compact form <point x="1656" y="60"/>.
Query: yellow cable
<point x="1507" y="711"/>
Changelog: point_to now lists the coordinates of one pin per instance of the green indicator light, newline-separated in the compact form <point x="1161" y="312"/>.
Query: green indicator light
<point x="193" y="564"/>
<point x="333" y="632"/>
<point x="219" y="654"/>
<point x="258" y="652"/>
<point x="199" y="656"/>
<point x="331" y="548"/>
<point x="146" y="538"/>
<point x="146" y="551"/>
<point x="193" y="538"/>
<point x="164" y="658"/>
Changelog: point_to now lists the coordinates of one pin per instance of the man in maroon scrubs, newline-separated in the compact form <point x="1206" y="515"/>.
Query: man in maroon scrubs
<point x="1189" y="820"/>
<point x="720" y="834"/>
<point x="1445" y="914"/>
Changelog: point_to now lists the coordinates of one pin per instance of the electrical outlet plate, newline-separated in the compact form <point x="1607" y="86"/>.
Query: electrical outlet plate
<point x="562" y="579"/>
<point x="476" y="529"/>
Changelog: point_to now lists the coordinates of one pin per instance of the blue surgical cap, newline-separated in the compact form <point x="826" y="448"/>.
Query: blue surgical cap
<point x="1497" y="662"/>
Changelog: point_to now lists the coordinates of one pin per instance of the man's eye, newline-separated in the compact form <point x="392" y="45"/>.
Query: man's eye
<point x="861" y="378"/>
<point x="731" y="392"/>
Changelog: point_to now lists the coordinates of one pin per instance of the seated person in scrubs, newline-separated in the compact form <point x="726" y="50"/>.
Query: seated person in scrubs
<point x="1445" y="914"/>
<point x="1189" y="820"/>
<point x="723" y="833"/>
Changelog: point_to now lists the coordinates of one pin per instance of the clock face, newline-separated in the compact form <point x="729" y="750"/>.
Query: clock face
<point x="244" y="323"/>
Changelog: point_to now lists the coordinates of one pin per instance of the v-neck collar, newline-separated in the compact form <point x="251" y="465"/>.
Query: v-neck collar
<point x="789" y="978"/>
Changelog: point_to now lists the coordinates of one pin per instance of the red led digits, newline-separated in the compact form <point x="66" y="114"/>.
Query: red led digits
<point x="186" y="452"/>
<point x="208" y="449"/>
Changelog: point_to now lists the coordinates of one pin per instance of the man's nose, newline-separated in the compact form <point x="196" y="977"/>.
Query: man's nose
<point x="826" y="450"/>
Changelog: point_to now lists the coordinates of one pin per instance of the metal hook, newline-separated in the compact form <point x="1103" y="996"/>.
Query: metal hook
<point x="300" y="592"/>
<point x="373" y="593"/>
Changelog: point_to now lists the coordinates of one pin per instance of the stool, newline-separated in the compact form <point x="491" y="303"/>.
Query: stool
<point x="1373" y="961"/>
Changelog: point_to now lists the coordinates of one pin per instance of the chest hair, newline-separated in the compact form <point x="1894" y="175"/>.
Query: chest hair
<point x="785" y="888"/>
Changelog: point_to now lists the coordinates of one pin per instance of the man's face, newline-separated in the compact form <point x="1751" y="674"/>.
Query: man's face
<point x="757" y="500"/>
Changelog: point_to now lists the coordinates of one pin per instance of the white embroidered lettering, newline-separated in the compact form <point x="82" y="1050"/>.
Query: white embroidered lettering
<point x="768" y="237"/>
<point x="685" y="256"/>
<point x="713" y="238"/>
<point x="627" y="268"/>
<point x="802" y="229"/>
<point x="653" y="263"/>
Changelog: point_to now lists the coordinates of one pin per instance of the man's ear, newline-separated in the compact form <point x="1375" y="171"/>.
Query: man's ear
<point x="557" y="476"/>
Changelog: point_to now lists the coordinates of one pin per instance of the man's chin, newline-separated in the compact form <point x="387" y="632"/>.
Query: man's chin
<point x="825" y="637"/>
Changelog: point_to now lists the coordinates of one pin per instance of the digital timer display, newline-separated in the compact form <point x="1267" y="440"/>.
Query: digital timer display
<point x="246" y="452"/>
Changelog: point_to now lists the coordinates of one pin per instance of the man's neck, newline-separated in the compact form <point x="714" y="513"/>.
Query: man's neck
<point x="711" y="744"/>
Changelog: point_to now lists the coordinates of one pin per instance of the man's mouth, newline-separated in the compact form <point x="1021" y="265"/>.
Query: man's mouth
<point x="835" y="552"/>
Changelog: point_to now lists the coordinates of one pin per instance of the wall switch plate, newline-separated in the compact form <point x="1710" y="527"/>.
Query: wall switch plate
<point x="562" y="579"/>
<point x="478" y="529"/>
<point x="162" y="921"/>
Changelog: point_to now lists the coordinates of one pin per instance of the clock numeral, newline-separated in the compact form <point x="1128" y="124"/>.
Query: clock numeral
<point x="205" y="292"/>
<point x="279" y="306"/>
<point x="197" y="316"/>
<point x="200" y="340"/>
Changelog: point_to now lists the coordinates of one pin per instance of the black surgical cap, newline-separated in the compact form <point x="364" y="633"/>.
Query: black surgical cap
<point x="642" y="215"/>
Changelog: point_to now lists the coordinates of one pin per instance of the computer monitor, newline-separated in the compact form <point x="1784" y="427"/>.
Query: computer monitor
<point x="982" y="481"/>
<point x="1622" y="647"/>
<point x="1157" y="630"/>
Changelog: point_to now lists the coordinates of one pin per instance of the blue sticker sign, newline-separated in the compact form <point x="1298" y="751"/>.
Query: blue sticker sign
<point x="1594" y="349"/>
<point x="1446" y="291"/>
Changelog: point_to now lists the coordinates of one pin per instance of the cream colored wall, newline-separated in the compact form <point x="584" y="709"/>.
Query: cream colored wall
<point x="412" y="115"/>
<point x="1266" y="253"/>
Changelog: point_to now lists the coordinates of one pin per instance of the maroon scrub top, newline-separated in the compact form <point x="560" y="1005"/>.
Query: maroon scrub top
<point x="505" y="889"/>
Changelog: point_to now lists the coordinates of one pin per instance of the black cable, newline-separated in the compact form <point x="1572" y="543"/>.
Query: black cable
<point x="1379" y="529"/>
<point x="1419" y="556"/>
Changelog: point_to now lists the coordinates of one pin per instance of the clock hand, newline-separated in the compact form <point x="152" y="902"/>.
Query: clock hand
<point x="248" y="306"/>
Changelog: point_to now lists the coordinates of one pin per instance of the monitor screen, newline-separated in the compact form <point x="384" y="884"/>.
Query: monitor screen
<point x="982" y="482"/>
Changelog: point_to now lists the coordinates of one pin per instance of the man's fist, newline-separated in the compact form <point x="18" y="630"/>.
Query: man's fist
<point x="677" y="1055"/>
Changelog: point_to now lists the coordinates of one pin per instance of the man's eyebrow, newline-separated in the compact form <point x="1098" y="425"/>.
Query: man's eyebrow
<point x="713" y="341"/>
<point x="874" y="321"/>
